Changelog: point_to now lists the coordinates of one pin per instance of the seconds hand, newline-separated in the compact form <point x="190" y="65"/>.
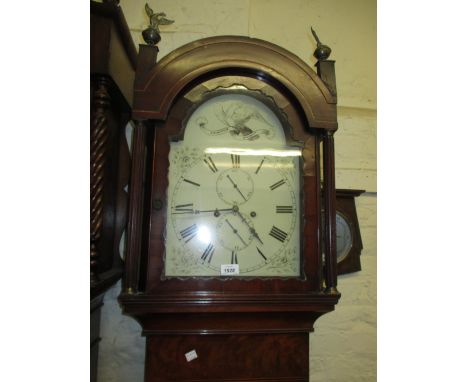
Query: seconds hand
<point x="237" y="188"/>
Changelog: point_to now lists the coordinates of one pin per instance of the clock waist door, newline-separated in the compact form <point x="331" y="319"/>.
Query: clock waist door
<point x="228" y="357"/>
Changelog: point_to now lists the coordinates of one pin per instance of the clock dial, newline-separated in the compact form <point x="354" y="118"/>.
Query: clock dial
<point x="344" y="238"/>
<point x="216" y="225"/>
<point x="233" y="205"/>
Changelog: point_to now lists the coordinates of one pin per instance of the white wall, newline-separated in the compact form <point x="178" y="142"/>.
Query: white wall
<point x="343" y="346"/>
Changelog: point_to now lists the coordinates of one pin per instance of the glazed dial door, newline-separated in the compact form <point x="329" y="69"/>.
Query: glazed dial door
<point x="233" y="203"/>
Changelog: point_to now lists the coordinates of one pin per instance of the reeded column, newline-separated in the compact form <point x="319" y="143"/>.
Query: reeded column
<point x="330" y="212"/>
<point x="133" y="253"/>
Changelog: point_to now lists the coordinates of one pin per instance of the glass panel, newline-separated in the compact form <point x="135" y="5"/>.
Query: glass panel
<point x="234" y="193"/>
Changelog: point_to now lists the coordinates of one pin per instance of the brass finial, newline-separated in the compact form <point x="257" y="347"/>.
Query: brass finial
<point x="151" y="35"/>
<point x="322" y="52"/>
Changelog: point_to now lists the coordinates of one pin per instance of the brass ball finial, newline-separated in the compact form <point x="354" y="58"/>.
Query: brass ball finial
<point x="322" y="52"/>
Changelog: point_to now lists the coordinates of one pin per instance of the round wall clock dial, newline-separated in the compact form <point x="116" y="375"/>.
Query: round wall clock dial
<point x="234" y="193"/>
<point x="344" y="237"/>
<point x="348" y="237"/>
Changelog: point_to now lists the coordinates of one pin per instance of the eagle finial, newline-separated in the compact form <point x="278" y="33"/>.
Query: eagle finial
<point x="151" y="35"/>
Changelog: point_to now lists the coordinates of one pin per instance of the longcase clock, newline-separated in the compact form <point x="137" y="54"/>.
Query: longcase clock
<point x="223" y="263"/>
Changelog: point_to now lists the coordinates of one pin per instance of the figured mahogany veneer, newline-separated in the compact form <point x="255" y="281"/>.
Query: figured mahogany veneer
<point x="229" y="357"/>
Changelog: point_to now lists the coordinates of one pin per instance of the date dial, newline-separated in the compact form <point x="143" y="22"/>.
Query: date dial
<point x="233" y="232"/>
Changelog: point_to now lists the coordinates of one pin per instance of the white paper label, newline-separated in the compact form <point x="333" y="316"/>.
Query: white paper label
<point x="229" y="269"/>
<point x="191" y="355"/>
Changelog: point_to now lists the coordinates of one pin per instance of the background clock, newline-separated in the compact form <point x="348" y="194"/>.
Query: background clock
<point x="344" y="237"/>
<point x="348" y="235"/>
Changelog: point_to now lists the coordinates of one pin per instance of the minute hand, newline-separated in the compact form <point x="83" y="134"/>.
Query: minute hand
<point x="216" y="209"/>
<point x="191" y="211"/>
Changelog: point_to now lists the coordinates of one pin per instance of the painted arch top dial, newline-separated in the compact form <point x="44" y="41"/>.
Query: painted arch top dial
<point x="237" y="203"/>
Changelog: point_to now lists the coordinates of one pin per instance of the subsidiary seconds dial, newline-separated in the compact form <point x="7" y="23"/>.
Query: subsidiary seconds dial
<point x="234" y="186"/>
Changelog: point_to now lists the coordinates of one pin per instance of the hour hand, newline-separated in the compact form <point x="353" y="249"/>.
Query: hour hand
<point x="252" y="229"/>
<point x="255" y="235"/>
<point x="183" y="209"/>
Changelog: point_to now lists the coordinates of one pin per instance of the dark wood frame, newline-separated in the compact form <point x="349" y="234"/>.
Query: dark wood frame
<point x="112" y="65"/>
<point x="346" y="205"/>
<point x="237" y="307"/>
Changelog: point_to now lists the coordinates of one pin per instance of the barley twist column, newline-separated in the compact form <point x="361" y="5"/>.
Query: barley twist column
<point x="99" y="139"/>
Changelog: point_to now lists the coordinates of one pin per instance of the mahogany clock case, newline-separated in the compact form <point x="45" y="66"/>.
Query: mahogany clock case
<point x="235" y="314"/>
